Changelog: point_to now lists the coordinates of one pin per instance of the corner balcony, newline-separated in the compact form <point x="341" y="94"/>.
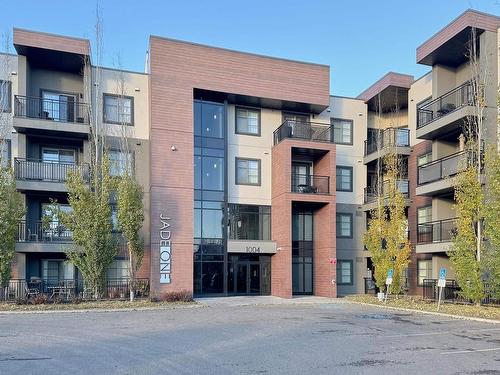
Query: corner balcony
<point x="36" y="175"/>
<point x="64" y="117"/>
<point x="385" y="142"/>
<point x="435" y="178"/>
<point x="42" y="236"/>
<point x="310" y="184"/>
<point x="371" y="194"/>
<point x="435" y="236"/>
<point x="306" y="131"/>
<point x="445" y="114"/>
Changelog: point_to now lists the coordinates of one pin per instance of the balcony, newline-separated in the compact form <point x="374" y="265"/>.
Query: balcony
<point x="310" y="184"/>
<point x="445" y="114"/>
<point x="434" y="178"/>
<point x="381" y="145"/>
<point x="38" y="116"/>
<point x="306" y="131"/>
<point x="435" y="236"/>
<point x="371" y="193"/>
<point x="38" y="175"/>
<point x="42" y="236"/>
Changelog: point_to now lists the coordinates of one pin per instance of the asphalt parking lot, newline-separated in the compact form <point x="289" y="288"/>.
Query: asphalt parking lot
<point x="314" y="338"/>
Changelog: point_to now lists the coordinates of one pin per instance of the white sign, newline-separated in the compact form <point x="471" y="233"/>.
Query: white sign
<point x="251" y="247"/>
<point x="165" y="250"/>
<point x="388" y="281"/>
<point x="442" y="283"/>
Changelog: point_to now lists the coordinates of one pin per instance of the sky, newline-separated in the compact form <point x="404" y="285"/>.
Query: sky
<point x="360" y="40"/>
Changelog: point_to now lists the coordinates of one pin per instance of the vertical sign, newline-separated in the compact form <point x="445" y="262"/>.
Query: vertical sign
<point x="441" y="284"/>
<point x="165" y="250"/>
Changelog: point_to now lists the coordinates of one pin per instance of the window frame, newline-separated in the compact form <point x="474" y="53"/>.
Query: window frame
<point x="418" y="270"/>
<point x="237" y="160"/>
<point x="425" y="154"/>
<point x="351" y="216"/>
<point x="132" y="161"/>
<point x="259" y="123"/>
<point x="9" y="92"/>
<point x="339" y="267"/>
<point x="332" y="120"/>
<point x="132" y="109"/>
<point x="351" y="179"/>
<point x="429" y="206"/>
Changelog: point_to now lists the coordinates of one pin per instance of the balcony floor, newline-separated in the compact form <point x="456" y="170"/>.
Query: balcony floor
<point x="433" y="247"/>
<point x="446" y="124"/>
<point x="37" y="126"/>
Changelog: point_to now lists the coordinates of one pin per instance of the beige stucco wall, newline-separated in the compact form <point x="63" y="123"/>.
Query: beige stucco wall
<point x="442" y="209"/>
<point x="134" y="85"/>
<point x="252" y="147"/>
<point x="420" y="90"/>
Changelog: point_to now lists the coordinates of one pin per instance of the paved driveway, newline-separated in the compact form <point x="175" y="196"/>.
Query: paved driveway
<point x="231" y="338"/>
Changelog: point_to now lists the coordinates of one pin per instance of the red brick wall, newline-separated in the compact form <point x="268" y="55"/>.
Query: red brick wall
<point x="416" y="202"/>
<point x="176" y="68"/>
<point x="281" y="216"/>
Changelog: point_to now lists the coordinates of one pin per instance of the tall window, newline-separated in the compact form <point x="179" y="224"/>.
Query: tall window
<point x="344" y="225"/>
<point x="118" y="109"/>
<point x="342" y="131"/>
<point x="344" y="272"/>
<point x="344" y="178"/>
<point x="247" y="121"/>
<point x="424" y="215"/>
<point x="120" y="163"/>
<point x="118" y="269"/>
<point x="424" y="159"/>
<point x="424" y="270"/>
<point x="248" y="222"/>
<point x="247" y="171"/>
<point x="5" y="96"/>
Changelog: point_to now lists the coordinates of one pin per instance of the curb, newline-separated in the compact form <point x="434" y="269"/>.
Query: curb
<point x="99" y="310"/>
<point x="458" y="317"/>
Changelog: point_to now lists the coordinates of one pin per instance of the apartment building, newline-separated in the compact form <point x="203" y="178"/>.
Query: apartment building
<point x="52" y="86"/>
<point x="257" y="181"/>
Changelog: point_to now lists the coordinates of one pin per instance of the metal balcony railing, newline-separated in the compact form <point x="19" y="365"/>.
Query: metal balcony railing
<point x="436" y="231"/>
<point x="445" y="104"/>
<point x="37" y="170"/>
<point x="442" y="168"/>
<point x="308" y="131"/>
<point x="391" y="137"/>
<point x="310" y="184"/>
<point x="51" y="109"/>
<point x="43" y="231"/>
<point x="372" y="192"/>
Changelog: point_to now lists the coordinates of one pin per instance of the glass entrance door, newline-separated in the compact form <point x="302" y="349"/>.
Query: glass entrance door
<point x="249" y="274"/>
<point x="242" y="278"/>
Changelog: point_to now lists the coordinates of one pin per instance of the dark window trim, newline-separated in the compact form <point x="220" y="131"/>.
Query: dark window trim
<point x="423" y="154"/>
<point x="418" y="269"/>
<point x="258" y="134"/>
<point x="237" y="159"/>
<point x="428" y="99"/>
<point x="132" y="109"/>
<point x="283" y="113"/>
<point x="352" y="178"/>
<point x="9" y="84"/>
<point x="332" y="119"/>
<point x="352" y="224"/>
<point x="339" y="280"/>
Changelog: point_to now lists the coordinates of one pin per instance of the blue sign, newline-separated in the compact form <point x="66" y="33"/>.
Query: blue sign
<point x="390" y="272"/>
<point x="442" y="273"/>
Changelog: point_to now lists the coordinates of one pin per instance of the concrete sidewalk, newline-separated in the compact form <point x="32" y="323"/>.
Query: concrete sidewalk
<point x="264" y="300"/>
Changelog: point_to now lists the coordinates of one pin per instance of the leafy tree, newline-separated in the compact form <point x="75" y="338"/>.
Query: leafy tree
<point x="91" y="225"/>
<point x="130" y="220"/>
<point x="11" y="211"/>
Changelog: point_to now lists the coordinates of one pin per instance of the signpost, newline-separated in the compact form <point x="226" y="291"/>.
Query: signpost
<point x="388" y="282"/>
<point x="441" y="284"/>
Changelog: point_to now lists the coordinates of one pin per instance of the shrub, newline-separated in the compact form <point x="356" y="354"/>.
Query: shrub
<point x="40" y="299"/>
<point x="21" y="301"/>
<point x="180" y="296"/>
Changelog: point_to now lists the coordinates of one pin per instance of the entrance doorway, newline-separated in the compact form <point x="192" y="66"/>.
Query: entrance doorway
<point x="249" y="275"/>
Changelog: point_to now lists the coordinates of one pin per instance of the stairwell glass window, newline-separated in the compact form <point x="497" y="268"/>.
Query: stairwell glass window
<point x="344" y="225"/>
<point x="5" y="152"/>
<point x="247" y="121"/>
<point x="5" y="96"/>
<point x="344" y="178"/>
<point x="342" y="131"/>
<point x="120" y="163"/>
<point x="118" y="109"/>
<point x="344" y="272"/>
<point x="247" y="171"/>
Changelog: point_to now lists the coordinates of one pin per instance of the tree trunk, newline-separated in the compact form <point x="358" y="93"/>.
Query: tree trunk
<point x="132" y="276"/>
